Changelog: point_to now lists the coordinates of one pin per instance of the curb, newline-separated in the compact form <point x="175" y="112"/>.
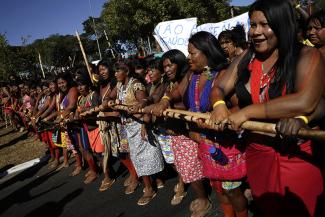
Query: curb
<point x="24" y="166"/>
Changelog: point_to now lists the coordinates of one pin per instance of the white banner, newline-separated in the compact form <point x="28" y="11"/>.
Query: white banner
<point x="174" y="34"/>
<point x="216" y="28"/>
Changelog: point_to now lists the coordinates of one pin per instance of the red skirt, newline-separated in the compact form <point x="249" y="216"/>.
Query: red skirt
<point x="95" y="141"/>
<point x="285" y="184"/>
<point x="46" y="137"/>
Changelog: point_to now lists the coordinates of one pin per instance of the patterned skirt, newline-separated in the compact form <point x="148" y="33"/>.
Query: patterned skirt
<point x="145" y="155"/>
<point x="187" y="161"/>
<point x="119" y="138"/>
<point x="165" y="142"/>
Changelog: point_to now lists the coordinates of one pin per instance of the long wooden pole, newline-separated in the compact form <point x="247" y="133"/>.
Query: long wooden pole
<point x="247" y="125"/>
<point x="84" y="56"/>
<point x="109" y="44"/>
<point x="40" y="62"/>
<point x="255" y="125"/>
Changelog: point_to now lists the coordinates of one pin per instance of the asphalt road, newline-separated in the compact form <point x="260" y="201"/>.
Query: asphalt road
<point x="38" y="191"/>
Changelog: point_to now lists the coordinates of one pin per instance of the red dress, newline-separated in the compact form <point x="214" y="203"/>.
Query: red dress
<point x="286" y="180"/>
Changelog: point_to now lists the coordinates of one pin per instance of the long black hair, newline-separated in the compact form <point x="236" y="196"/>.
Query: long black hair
<point x="111" y="73"/>
<point x="177" y="57"/>
<point x="281" y="19"/>
<point x="67" y="76"/>
<point x="209" y="45"/>
<point x="320" y="16"/>
<point x="127" y="66"/>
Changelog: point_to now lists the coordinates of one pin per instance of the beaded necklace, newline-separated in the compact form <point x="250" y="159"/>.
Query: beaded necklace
<point x="200" y="102"/>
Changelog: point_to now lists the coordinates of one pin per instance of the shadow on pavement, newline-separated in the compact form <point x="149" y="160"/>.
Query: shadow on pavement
<point x="26" y="174"/>
<point x="55" y="208"/>
<point x="5" y="168"/>
<point x="23" y="194"/>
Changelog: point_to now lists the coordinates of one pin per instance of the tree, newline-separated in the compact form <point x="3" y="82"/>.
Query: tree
<point x="3" y="57"/>
<point x="128" y="20"/>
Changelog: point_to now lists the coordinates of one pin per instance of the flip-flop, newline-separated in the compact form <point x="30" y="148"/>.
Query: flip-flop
<point x="88" y="173"/>
<point x="202" y="212"/>
<point x="106" y="185"/>
<point x="160" y="184"/>
<point x="146" y="199"/>
<point x="193" y="204"/>
<point x="90" y="178"/>
<point x="54" y="164"/>
<point x="177" y="199"/>
<point x="76" y="171"/>
<point x="131" y="188"/>
<point x="62" y="166"/>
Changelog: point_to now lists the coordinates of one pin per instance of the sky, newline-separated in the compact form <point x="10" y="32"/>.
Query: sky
<point x="41" y="18"/>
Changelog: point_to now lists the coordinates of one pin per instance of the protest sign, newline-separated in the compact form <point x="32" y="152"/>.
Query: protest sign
<point x="216" y="28"/>
<point x="174" y="34"/>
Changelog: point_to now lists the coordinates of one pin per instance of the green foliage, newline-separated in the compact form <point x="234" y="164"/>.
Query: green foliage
<point x="3" y="56"/>
<point x="128" y="20"/>
<point x="125" y="21"/>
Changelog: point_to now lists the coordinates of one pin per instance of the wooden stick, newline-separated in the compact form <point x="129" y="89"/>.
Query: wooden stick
<point x="109" y="44"/>
<point x="40" y="62"/>
<point x="256" y="125"/>
<point x="84" y="56"/>
<point x="247" y="125"/>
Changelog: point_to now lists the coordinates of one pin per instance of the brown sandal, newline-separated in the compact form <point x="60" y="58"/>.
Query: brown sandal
<point x="201" y="211"/>
<point x="144" y="200"/>
<point x="54" y="164"/>
<point x="92" y="177"/>
<point x="88" y="173"/>
<point x="177" y="199"/>
<point x="131" y="188"/>
<point x="106" y="184"/>
<point x="62" y="166"/>
<point x="76" y="171"/>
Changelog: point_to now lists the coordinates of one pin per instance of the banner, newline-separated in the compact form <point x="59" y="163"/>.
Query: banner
<point x="216" y="28"/>
<point x="174" y="34"/>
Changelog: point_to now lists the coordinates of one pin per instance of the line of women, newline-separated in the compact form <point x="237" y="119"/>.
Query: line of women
<point x="274" y="78"/>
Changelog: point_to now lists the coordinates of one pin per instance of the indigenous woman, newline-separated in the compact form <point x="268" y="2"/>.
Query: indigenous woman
<point x="206" y="63"/>
<point x="233" y="42"/>
<point x="49" y="114"/>
<point x="42" y="104"/>
<point x="276" y="78"/>
<point x="156" y="91"/>
<point x="115" y="142"/>
<point x="146" y="157"/>
<point x="9" y="101"/>
<point x="66" y="105"/>
<point x="88" y="100"/>
<point x="316" y="34"/>
<point x="316" y="30"/>
<point x="174" y="66"/>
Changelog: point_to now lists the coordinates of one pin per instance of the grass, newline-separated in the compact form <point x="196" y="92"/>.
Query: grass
<point x="17" y="147"/>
